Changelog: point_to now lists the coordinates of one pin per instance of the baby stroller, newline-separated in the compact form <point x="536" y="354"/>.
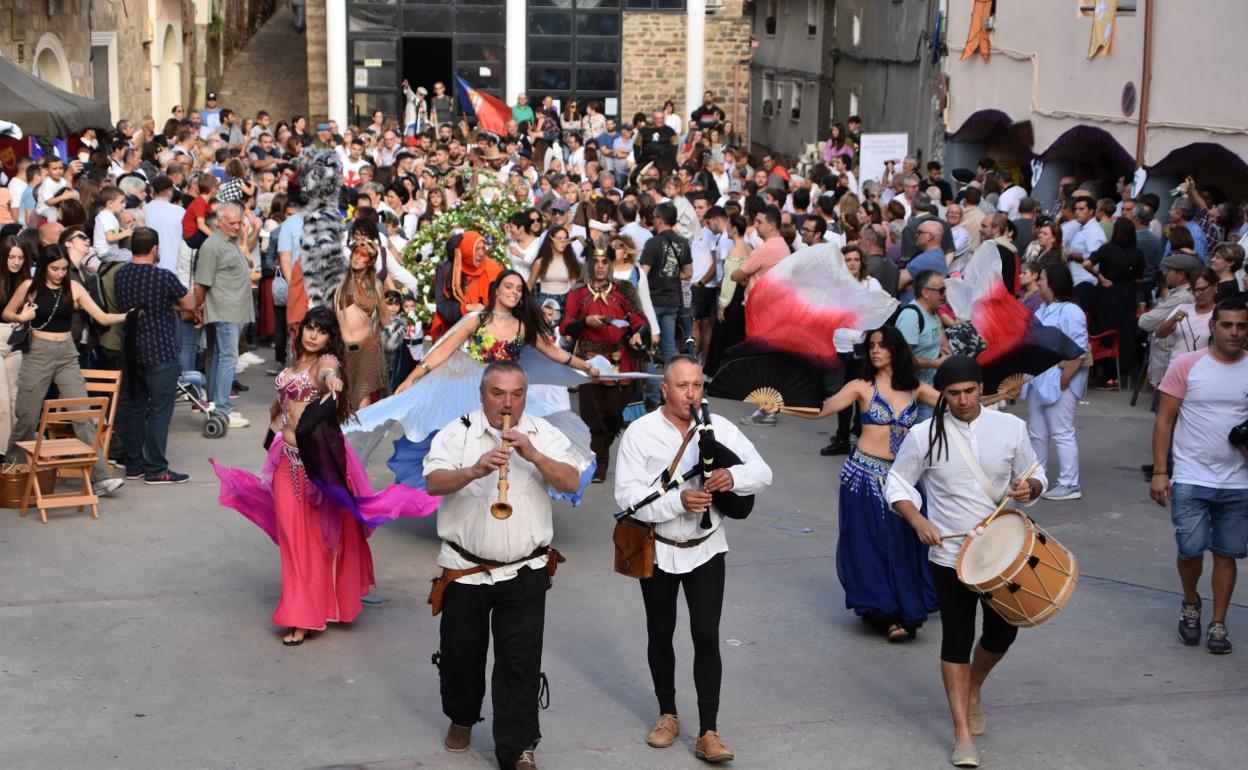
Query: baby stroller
<point x="191" y="385"/>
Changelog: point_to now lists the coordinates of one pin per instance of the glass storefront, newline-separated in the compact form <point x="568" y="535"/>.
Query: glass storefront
<point x="424" y="41"/>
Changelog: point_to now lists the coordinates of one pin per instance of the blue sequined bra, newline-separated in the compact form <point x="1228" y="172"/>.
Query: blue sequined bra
<point x="880" y="412"/>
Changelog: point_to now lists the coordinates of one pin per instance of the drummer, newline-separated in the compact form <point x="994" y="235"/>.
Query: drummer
<point x="967" y="457"/>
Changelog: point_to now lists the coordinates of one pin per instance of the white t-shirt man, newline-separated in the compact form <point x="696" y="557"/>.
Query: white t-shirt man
<point x="1214" y="398"/>
<point x="1009" y="199"/>
<point x="708" y="248"/>
<point x="166" y="219"/>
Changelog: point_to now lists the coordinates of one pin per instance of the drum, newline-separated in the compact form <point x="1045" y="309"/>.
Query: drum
<point x="1025" y="574"/>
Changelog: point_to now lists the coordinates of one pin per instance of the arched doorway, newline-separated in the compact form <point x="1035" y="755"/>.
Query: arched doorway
<point x="170" y="73"/>
<point x="50" y="63"/>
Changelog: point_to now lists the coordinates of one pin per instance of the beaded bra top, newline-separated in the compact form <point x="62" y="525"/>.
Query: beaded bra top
<point x="485" y="348"/>
<point x="294" y="387"/>
<point x="880" y="412"/>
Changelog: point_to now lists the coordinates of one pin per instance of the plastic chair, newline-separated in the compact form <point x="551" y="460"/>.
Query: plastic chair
<point x="1103" y="346"/>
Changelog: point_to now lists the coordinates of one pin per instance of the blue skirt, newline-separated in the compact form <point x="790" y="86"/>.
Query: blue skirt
<point x="879" y="559"/>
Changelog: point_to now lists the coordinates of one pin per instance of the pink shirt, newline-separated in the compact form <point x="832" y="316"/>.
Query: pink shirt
<point x="1215" y="399"/>
<point x="764" y="258"/>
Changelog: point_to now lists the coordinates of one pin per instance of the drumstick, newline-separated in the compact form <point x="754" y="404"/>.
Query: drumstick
<point x="954" y="537"/>
<point x="1001" y="506"/>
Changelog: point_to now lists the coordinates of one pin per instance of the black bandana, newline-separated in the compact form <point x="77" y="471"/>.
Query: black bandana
<point x="957" y="369"/>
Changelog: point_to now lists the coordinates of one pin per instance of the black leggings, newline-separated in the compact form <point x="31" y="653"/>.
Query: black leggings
<point x="957" y="619"/>
<point x="704" y="594"/>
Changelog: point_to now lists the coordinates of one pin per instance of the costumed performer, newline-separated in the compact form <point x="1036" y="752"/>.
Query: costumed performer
<point x="684" y="553"/>
<point x="463" y="282"/>
<point x="496" y="571"/>
<point x="439" y="389"/>
<point x="605" y="319"/>
<point x="879" y="559"/>
<point x="314" y="499"/>
<point x="961" y="441"/>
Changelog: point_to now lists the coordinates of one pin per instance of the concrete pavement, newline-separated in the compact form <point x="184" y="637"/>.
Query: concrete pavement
<point x="142" y="640"/>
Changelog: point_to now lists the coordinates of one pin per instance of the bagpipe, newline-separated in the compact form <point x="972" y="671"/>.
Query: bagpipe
<point x="712" y="456"/>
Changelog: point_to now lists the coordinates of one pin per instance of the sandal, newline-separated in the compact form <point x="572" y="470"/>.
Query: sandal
<point x="898" y="633"/>
<point x="287" y="641"/>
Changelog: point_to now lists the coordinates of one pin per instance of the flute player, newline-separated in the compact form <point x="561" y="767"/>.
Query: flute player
<point x="492" y="567"/>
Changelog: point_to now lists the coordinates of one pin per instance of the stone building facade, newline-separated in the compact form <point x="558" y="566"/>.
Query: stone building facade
<point x="140" y="57"/>
<point x="654" y="61"/>
<point x="628" y="56"/>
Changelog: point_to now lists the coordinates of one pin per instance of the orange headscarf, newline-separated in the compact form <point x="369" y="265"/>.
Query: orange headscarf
<point x="476" y="290"/>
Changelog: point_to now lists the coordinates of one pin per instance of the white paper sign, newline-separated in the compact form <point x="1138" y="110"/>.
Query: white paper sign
<point x="876" y="149"/>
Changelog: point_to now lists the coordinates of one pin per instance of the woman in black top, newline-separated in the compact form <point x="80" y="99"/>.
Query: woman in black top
<point x="47" y="302"/>
<point x="1226" y="259"/>
<point x="1119" y="265"/>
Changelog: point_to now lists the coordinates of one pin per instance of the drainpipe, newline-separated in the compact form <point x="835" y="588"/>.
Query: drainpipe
<point x="736" y="85"/>
<point x="1146" y="84"/>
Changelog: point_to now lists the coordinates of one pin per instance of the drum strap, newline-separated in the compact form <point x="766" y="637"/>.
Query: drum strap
<point x="976" y="470"/>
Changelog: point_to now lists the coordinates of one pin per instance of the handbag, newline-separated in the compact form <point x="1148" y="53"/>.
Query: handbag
<point x="634" y="540"/>
<point x="19" y="337"/>
<point x="965" y="340"/>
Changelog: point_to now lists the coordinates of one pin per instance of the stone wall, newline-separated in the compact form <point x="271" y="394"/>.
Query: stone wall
<point x="24" y="23"/>
<point x="318" y="66"/>
<point x="654" y="61"/>
<point x="727" y="42"/>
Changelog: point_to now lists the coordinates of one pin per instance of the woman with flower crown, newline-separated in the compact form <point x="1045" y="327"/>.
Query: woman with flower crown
<point x="443" y="386"/>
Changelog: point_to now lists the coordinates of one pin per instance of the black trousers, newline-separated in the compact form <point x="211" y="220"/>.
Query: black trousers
<point x="602" y="409"/>
<point x="279" y="334"/>
<point x="517" y="610"/>
<point x="957" y="619"/>
<point x="704" y="595"/>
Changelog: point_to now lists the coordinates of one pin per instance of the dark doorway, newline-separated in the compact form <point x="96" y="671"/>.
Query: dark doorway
<point x="426" y="60"/>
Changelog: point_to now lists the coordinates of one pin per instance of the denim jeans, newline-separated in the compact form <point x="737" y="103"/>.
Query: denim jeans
<point x="666" y="317"/>
<point x="148" y="412"/>
<point x="1209" y="519"/>
<point x="224" y="359"/>
<point x="190" y="346"/>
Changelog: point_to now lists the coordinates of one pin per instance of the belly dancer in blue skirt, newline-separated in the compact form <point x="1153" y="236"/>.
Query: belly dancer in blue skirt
<point x="879" y="560"/>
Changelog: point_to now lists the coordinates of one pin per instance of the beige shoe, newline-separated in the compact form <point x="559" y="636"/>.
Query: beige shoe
<point x="965" y="755"/>
<point x="978" y="720"/>
<point x="665" y="732"/>
<point x="526" y="760"/>
<point x="711" y="748"/>
<point x="457" y="738"/>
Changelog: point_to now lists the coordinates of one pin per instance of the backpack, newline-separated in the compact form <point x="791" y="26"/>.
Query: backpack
<point x="892" y="319"/>
<point x="102" y="286"/>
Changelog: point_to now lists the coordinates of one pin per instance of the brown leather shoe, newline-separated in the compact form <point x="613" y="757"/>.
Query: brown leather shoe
<point x="711" y="748"/>
<point x="526" y="761"/>
<point x="665" y="732"/>
<point x="457" y="738"/>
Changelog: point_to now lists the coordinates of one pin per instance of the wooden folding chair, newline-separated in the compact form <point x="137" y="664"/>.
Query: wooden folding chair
<point x="100" y="382"/>
<point x="67" y="456"/>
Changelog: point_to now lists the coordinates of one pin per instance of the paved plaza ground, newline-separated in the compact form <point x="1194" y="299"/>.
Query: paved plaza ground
<point x="142" y="640"/>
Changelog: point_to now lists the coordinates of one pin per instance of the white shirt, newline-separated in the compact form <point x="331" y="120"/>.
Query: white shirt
<point x="646" y="450"/>
<point x="708" y="248"/>
<point x="1009" y="199"/>
<point x="166" y="219"/>
<point x="105" y="222"/>
<point x="1089" y="238"/>
<point x="955" y="501"/>
<point x="464" y="517"/>
<point x="525" y="264"/>
<point x="639" y="234"/>
<point x="1214" y="396"/>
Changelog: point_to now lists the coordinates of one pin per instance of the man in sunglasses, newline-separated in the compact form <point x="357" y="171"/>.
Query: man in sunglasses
<point x="813" y="230"/>
<point x="919" y="323"/>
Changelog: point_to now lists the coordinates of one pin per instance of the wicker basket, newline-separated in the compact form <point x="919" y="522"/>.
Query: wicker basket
<point x="13" y="483"/>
